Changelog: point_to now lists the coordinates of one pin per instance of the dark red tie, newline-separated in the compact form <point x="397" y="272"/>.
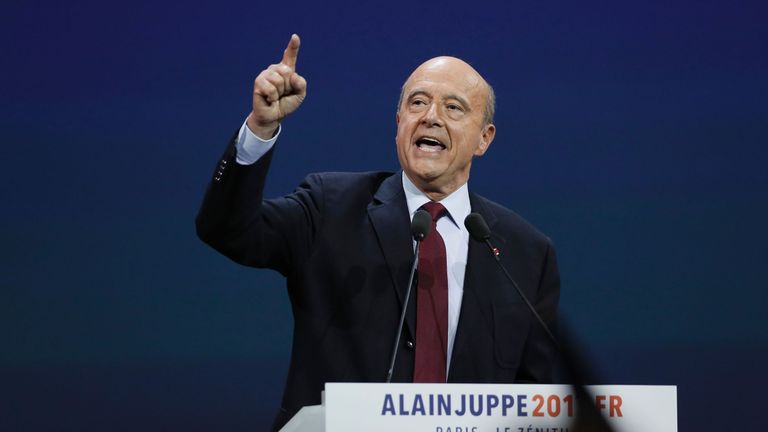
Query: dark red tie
<point x="432" y="304"/>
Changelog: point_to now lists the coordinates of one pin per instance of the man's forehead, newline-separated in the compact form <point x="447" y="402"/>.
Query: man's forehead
<point x="445" y="71"/>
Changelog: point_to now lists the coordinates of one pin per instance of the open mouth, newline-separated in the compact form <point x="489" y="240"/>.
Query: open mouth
<point x="429" y="144"/>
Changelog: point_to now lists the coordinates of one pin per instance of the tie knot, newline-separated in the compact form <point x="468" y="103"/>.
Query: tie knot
<point x="435" y="209"/>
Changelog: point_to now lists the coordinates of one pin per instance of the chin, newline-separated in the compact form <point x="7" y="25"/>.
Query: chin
<point x="427" y="169"/>
<point x="426" y="177"/>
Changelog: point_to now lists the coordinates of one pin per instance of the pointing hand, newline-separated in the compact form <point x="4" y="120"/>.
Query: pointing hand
<point x="277" y="92"/>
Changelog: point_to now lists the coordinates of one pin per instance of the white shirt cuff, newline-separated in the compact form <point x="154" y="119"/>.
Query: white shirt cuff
<point x="251" y="148"/>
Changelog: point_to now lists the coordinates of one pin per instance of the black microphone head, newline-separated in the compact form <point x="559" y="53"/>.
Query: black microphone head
<point x="477" y="227"/>
<point x="421" y="224"/>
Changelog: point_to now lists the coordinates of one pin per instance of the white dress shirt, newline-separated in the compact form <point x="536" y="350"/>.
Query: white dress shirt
<point x="456" y="239"/>
<point x="451" y="227"/>
<point x="250" y="147"/>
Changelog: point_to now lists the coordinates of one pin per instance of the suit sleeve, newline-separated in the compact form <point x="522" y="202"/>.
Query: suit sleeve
<point x="540" y="354"/>
<point x="235" y="220"/>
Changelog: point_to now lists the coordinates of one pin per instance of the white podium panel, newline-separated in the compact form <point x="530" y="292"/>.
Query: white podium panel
<point x="308" y="419"/>
<point x="492" y="407"/>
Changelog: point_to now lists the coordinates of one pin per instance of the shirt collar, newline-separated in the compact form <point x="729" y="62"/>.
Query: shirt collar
<point x="457" y="203"/>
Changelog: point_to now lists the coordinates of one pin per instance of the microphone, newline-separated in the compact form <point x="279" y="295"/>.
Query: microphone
<point x="589" y="417"/>
<point x="477" y="227"/>
<point x="479" y="231"/>
<point x="420" y="226"/>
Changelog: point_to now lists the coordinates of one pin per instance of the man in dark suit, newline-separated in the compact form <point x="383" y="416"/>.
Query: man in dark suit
<point x="343" y="242"/>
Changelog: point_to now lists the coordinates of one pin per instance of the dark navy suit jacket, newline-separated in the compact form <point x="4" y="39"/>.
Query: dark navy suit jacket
<point x="343" y="242"/>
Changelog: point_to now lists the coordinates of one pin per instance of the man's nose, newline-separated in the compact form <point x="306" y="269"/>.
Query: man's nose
<point x="432" y="116"/>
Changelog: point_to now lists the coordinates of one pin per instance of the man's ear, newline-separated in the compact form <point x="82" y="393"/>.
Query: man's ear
<point x="397" y="118"/>
<point x="486" y="138"/>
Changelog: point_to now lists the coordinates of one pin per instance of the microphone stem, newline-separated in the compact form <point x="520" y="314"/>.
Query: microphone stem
<point x="402" y="314"/>
<point x="520" y="292"/>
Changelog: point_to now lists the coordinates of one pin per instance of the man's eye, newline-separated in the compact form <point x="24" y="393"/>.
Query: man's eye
<point x="454" y="107"/>
<point x="417" y="102"/>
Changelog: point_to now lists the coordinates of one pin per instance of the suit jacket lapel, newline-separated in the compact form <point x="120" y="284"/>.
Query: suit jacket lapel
<point x="389" y="216"/>
<point x="479" y="285"/>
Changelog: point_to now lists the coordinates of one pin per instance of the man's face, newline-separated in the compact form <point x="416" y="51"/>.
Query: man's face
<point x="440" y="125"/>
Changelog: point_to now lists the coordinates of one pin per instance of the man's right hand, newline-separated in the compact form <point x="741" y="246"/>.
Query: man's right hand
<point x="277" y="92"/>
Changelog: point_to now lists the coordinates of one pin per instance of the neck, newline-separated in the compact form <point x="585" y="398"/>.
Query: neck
<point x="433" y="191"/>
<point x="436" y="196"/>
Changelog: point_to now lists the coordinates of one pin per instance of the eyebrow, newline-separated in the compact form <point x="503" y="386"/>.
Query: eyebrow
<point x="418" y="93"/>
<point x="460" y="99"/>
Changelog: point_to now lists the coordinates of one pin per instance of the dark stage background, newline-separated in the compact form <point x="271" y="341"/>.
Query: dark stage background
<point x="634" y="134"/>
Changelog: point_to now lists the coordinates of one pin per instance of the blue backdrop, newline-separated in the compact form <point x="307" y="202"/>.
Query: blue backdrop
<point x="633" y="134"/>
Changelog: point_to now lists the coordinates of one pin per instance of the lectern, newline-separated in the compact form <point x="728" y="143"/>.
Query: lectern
<point x="355" y="407"/>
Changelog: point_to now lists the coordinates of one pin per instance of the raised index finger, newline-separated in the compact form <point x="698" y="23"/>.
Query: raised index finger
<point x="291" y="52"/>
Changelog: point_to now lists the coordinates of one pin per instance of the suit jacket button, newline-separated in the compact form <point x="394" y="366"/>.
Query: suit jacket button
<point x="409" y="344"/>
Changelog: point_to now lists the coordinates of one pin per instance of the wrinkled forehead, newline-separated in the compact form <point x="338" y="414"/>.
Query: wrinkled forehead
<point x="446" y="73"/>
